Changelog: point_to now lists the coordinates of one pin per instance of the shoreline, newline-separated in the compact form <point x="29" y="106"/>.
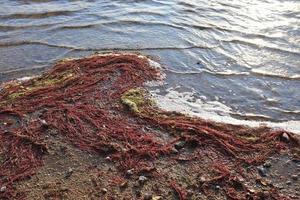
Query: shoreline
<point x="92" y="126"/>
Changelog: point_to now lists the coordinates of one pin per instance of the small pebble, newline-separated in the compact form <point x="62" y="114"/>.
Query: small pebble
<point x="179" y="145"/>
<point x="123" y="185"/>
<point x="288" y="182"/>
<point x="147" y="196"/>
<point x="44" y="123"/>
<point x="262" y="171"/>
<point x="3" y="189"/>
<point x="157" y="198"/>
<point x="130" y="172"/>
<point x="69" y="172"/>
<point x="104" y="190"/>
<point x="295" y="177"/>
<point x="202" y="179"/>
<point x="267" y="164"/>
<point x="142" y="179"/>
<point x="174" y="150"/>
<point x="285" y="137"/>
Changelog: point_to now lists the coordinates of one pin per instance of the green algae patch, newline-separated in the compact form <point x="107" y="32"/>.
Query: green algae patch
<point x="51" y="81"/>
<point x="136" y="99"/>
<point x="17" y="89"/>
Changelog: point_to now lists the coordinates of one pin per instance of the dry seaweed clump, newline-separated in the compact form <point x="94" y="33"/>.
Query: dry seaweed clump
<point x="87" y="129"/>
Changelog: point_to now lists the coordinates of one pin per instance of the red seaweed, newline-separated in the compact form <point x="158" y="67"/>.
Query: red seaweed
<point x="81" y="100"/>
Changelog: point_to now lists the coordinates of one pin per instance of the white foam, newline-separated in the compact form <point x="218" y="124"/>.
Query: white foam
<point x="212" y="110"/>
<point x="275" y="74"/>
<point x="25" y="78"/>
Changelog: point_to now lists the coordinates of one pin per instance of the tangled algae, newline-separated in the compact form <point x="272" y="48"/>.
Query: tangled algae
<point x="96" y="110"/>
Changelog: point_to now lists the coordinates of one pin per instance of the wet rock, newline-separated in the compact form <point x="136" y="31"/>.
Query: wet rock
<point x="142" y="179"/>
<point x="262" y="171"/>
<point x="3" y="189"/>
<point x="147" y="196"/>
<point x="179" y="145"/>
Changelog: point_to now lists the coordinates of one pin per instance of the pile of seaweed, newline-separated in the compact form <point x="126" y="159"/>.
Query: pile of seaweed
<point x="99" y="105"/>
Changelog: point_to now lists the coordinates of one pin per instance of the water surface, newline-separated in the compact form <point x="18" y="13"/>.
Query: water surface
<point x="238" y="58"/>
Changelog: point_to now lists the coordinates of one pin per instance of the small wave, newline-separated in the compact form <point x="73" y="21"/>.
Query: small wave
<point x="119" y="23"/>
<point x="142" y="23"/>
<point x="224" y="73"/>
<point x="36" y="15"/>
<point x="22" y="27"/>
<point x="227" y="73"/>
<point x="249" y="43"/>
<point x="145" y="12"/>
<point x="276" y="75"/>
<point x="19" y="70"/>
<point x="77" y="26"/>
<point x="295" y="112"/>
<point x="186" y="4"/>
<point x="251" y="116"/>
<point x="19" y="43"/>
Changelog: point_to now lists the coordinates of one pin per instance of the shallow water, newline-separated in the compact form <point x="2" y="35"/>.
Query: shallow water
<point x="239" y="58"/>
